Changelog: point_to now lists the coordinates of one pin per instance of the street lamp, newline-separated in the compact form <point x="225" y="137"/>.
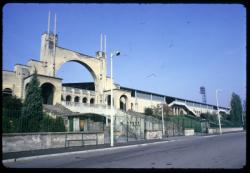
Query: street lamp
<point x="115" y="53"/>
<point x="162" y="119"/>
<point x="218" y="114"/>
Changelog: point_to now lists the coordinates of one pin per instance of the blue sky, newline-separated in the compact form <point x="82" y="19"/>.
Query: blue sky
<point x="185" y="46"/>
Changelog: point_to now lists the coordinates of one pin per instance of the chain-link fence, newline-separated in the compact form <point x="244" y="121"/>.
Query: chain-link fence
<point x="128" y="128"/>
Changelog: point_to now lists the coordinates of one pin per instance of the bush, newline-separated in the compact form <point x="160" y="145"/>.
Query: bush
<point x="10" y="120"/>
<point x="12" y="102"/>
<point x="210" y="117"/>
<point x="49" y="124"/>
<point x="148" y="111"/>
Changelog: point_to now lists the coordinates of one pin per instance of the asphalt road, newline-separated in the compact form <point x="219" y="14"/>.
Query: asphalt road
<point x="225" y="151"/>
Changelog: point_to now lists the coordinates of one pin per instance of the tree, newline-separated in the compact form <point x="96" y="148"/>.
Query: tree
<point x="148" y="111"/>
<point x="12" y="102"/>
<point x="157" y="111"/>
<point x="32" y="111"/>
<point x="236" y="109"/>
<point x="244" y="114"/>
<point x="210" y="117"/>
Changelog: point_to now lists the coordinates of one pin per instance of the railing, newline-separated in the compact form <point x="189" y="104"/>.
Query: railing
<point x="70" y="90"/>
<point x="68" y="103"/>
<point x="184" y="104"/>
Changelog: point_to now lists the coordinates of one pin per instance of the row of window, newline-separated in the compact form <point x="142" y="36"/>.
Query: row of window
<point x="158" y="98"/>
<point x="77" y="99"/>
<point x="143" y="95"/>
<point x="148" y="96"/>
<point x="198" y="105"/>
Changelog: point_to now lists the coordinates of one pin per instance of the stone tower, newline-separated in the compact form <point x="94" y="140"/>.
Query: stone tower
<point x="48" y="53"/>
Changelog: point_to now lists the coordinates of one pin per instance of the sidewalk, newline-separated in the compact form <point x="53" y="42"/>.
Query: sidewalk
<point x="21" y="154"/>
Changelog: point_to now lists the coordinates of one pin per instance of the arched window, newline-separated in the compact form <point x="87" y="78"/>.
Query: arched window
<point x="84" y="100"/>
<point x="123" y="102"/>
<point x="68" y="98"/>
<point x="92" y="101"/>
<point x="108" y="100"/>
<point x="76" y="99"/>
<point x="62" y="98"/>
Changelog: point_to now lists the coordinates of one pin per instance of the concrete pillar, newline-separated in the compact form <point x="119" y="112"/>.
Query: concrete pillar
<point x="151" y="101"/>
<point x="88" y="101"/>
<point x="76" y="123"/>
<point x="106" y="121"/>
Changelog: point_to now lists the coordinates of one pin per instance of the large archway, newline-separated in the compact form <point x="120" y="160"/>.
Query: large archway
<point x="47" y="93"/>
<point x="78" y="81"/>
<point x="77" y="74"/>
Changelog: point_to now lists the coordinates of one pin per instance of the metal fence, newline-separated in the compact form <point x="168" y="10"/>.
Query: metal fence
<point x="133" y="127"/>
<point x="13" y="121"/>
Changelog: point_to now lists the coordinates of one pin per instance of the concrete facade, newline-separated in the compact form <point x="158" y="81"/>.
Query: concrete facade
<point x="52" y="57"/>
<point x="35" y="141"/>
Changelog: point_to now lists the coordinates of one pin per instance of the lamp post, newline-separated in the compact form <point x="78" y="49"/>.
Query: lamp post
<point x="218" y="114"/>
<point x="115" y="53"/>
<point x="162" y="119"/>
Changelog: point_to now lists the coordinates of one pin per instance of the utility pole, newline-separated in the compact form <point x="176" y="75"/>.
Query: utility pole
<point x="218" y="114"/>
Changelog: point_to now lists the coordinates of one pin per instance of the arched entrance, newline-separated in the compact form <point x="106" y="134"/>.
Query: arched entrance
<point x="123" y="102"/>
<point x="47" y="93"/>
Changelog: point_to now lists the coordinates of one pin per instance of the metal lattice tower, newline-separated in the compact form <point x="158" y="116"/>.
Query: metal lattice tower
<point x="203" y="94"/>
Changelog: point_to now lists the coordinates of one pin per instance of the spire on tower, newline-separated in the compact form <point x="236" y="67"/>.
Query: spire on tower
<point x="49" y="23"/>
<point x="55" y="25"/>
<point x="105" y="43"/>
<point x="54" y="46"/>
<point x="101" y="43"/>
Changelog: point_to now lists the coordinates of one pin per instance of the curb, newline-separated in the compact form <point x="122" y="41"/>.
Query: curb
<point x="86" y="151"/>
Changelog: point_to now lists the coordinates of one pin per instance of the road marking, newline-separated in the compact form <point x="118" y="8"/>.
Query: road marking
<point x="209" y="136"/>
